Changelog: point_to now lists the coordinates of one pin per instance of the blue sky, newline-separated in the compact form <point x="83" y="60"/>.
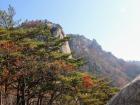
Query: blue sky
<point x="115" y="24"/>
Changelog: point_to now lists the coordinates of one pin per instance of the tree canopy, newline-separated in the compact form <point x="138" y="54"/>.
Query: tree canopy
<point x="34" y="71"/>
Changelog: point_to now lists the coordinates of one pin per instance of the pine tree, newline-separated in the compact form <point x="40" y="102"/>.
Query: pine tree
<point x="34" y="70"/>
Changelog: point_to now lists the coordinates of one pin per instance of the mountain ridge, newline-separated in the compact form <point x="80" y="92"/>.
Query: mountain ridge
<point x="102" y="62"/>
<point x="98" y="61"/>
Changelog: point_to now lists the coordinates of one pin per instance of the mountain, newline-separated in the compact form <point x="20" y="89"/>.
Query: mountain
<point x="103" y="63"/>
<point x="98" y="61"/>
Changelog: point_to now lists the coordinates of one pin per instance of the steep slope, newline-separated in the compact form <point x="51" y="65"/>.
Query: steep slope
<point x="129" y="95"/>
<point x="101" y="62"/>
<point x="57" y="31"/>
<point x="132" y="69"/>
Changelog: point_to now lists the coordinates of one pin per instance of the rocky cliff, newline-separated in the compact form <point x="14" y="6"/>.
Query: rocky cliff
<point x="103" y="63"/>
<point x="56" y="30"/>
<point x="129" y="95"/>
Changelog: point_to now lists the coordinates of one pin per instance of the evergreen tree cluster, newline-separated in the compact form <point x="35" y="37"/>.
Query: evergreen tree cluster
<point x="34" y="71"/>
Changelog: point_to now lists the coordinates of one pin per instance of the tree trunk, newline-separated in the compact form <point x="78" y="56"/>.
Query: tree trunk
<point x="52" y="99"/>
<point x="1" y="97"/>
<point x="40" y="101"/>
<point x="18" y="96"/>
<point x="23" y="92"/>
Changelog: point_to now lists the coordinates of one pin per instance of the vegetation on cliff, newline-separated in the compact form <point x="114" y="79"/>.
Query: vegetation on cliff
<point x="34" y="70"/>
<point x="103" y="63"/>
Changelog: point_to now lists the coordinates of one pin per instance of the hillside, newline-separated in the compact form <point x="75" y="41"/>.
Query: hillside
<point x="103" y="63"/>
<point x="38" y="66"/>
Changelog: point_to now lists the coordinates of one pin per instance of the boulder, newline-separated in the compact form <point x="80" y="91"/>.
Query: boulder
<point x="129" y="95"/>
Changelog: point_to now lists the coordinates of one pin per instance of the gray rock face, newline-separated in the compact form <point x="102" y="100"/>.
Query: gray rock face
<point x="57" y="31"/>
<point x="129" y="95"/>
<point x="97" y="60"/>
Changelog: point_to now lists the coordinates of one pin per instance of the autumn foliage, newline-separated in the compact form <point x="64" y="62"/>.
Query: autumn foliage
<point x="34" y="70"/>
<point x="87" y="81"/>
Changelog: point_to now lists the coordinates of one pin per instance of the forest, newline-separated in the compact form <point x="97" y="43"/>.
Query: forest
<point x="35" y="71"/>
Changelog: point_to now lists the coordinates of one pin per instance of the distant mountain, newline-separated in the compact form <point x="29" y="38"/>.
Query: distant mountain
<point x="103" y="63"/>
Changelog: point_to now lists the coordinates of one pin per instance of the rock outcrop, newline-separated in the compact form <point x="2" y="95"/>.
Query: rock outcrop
<point x="129" y="95"/>
<point x="57" y="31"/>
<point x="97" y="60"/>
<point x="103" y="63"/>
